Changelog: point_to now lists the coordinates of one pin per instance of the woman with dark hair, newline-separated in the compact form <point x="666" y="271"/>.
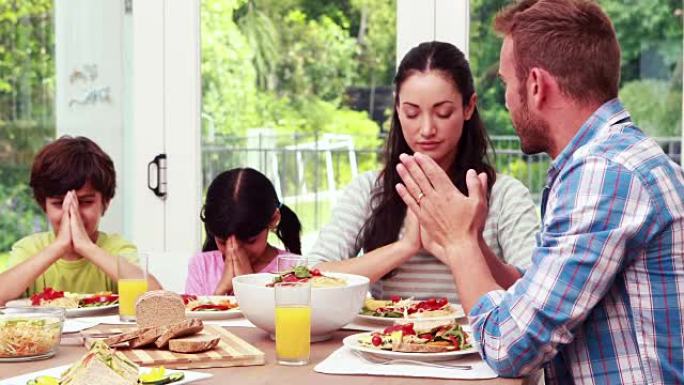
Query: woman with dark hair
<point x="240" y="208"/>
<point x="435" y="113"/>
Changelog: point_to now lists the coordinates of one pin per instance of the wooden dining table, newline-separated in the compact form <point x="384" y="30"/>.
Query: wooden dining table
<point x="270" y="373"/>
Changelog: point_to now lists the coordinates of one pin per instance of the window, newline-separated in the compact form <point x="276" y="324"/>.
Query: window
<point x="27" y="118"/>
<point x="650" y="34"/>
<point x="299" y="90"/>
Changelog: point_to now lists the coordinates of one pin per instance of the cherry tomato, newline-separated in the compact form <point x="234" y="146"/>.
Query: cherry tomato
<point x="393" y="328"/>
<point x="395" y="298"/>
<point x="290" y="278"/>
<point x="47" y="294"/>
<point x="408" y="329"/>
<point x="188" y="297"/>
<point x="210" y="306"/>
<point x="376" y="341"/>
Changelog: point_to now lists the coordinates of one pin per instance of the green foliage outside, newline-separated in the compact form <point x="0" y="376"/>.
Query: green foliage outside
<point x="286" y="65"/>
<point x="655" y="105"/>
<point x="650" y="35"/>
<point x="26" y="110"/>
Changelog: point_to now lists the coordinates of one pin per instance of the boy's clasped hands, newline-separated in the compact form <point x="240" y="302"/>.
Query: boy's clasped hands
<point x="72" y="237"/>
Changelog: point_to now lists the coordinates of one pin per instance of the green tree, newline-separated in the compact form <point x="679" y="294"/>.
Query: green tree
<point x="317" y="58"/>
<point x="262" y="35"/>
<point x="26" y="110"/>
<point x="229" y="80"/>
<point x="650" y="35"/>
<point x="654" y="105"/>
<point x="484" y="62"/>
<point x="376" y="36"/>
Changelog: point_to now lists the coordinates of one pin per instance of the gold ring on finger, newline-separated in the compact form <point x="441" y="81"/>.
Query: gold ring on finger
<point x="420" y="196"/>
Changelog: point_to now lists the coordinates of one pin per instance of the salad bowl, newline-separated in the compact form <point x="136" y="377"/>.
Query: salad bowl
<point x="331" y="307"/>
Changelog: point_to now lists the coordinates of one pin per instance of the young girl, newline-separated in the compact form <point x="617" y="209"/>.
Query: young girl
<point x="240" y="208"/>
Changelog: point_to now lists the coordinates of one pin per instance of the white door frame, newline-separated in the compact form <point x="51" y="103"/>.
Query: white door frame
<point x="149" y="57"/>
<point x="166" y="119"/>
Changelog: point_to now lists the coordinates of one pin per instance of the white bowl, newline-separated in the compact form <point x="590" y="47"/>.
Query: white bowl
<point x="331" y="307"/>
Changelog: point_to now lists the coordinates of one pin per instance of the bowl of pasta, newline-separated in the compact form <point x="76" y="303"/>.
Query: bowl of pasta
<point x="336" y="298"/>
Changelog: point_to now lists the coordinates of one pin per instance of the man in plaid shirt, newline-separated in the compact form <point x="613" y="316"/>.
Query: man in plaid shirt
<point x="603" y="301"/>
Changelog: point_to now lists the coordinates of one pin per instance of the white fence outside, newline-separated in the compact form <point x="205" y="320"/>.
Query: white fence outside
<point x="310" y="170"/>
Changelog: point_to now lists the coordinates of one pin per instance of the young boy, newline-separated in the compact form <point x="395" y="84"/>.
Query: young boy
<point x="73" y="180"/>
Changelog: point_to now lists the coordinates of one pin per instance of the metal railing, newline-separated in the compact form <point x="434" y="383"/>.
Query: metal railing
<point x="310" y="170"/>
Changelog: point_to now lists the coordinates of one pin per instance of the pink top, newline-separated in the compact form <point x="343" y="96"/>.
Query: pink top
<point x="205" y="271"/>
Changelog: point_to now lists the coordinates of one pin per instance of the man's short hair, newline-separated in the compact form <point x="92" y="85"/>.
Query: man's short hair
<point x="572" y="39"/>
<point x="67" y="164"/>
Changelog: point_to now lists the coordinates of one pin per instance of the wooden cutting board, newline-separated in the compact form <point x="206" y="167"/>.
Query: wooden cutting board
<point x="231" y="351"/>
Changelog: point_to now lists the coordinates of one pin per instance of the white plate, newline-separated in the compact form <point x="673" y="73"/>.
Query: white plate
<point x="70" y="313"/>
<point x="352" y="342"/>
<point x="57" y="371"/>
<point x="457" y="313"/>
<point x="215" y="315"/>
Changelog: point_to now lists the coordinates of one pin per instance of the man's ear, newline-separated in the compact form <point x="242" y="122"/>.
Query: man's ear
<point x="540" y="86"/>
<point x="105" y="206"/>
<point x="275" y="220"/>
<point x="470" y="107"/>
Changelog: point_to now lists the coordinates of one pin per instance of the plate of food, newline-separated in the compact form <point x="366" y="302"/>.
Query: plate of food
<point x="211" y="307"/>
<point x="75" y="304"/>
<point x="390" y="310"/>
<point x="304" y="274"/>
<point x="426" y="340"/>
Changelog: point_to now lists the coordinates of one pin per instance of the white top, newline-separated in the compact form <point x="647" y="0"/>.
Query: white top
<point x="510" y="229"/>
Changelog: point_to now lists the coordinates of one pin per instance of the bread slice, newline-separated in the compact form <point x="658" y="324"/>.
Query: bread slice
<point x="121" y="338"/>
<point x="147" y="336"/>
<point x="430" y="347"/>
<point x="180" y="329"/>
<point x="194" y="344"/>
<point x="159" y="308"/>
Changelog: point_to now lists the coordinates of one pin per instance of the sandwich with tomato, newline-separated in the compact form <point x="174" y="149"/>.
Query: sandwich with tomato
<point x="419" y="337"/>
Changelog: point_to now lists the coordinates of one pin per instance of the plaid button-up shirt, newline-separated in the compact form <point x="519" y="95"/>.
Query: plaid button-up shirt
<point x="603" y="301"/>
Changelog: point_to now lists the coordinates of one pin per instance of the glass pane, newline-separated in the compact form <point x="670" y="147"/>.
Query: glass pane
<point x="298" y="89"/>
<point x="27" y="119"/>
<point x="650" y="34"/>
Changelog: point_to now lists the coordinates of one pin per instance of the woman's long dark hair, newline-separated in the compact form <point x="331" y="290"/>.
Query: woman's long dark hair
<point x="242" y="201"/>
<point x="388" y="210"/>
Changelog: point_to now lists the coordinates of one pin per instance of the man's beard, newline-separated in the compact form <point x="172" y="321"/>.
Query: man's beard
<point x="532" y="130"/>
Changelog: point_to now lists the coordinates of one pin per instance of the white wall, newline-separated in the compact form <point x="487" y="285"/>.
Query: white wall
<point x="419" y="21"/>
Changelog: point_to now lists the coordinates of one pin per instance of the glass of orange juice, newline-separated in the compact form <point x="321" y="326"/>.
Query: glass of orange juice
<point x="292" y="318"/>
<point x="132" y="282"/>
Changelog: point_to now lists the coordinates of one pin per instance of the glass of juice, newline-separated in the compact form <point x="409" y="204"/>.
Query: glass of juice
<point x="132" y="282"/>
<point x="293" y="321"/>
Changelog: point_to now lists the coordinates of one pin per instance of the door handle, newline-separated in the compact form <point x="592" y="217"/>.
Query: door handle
<point x="159" y="162"/>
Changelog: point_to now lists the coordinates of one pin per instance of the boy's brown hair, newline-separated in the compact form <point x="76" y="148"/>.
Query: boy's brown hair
<point x="572" y="39"/>
<point x="67" y="164"/>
